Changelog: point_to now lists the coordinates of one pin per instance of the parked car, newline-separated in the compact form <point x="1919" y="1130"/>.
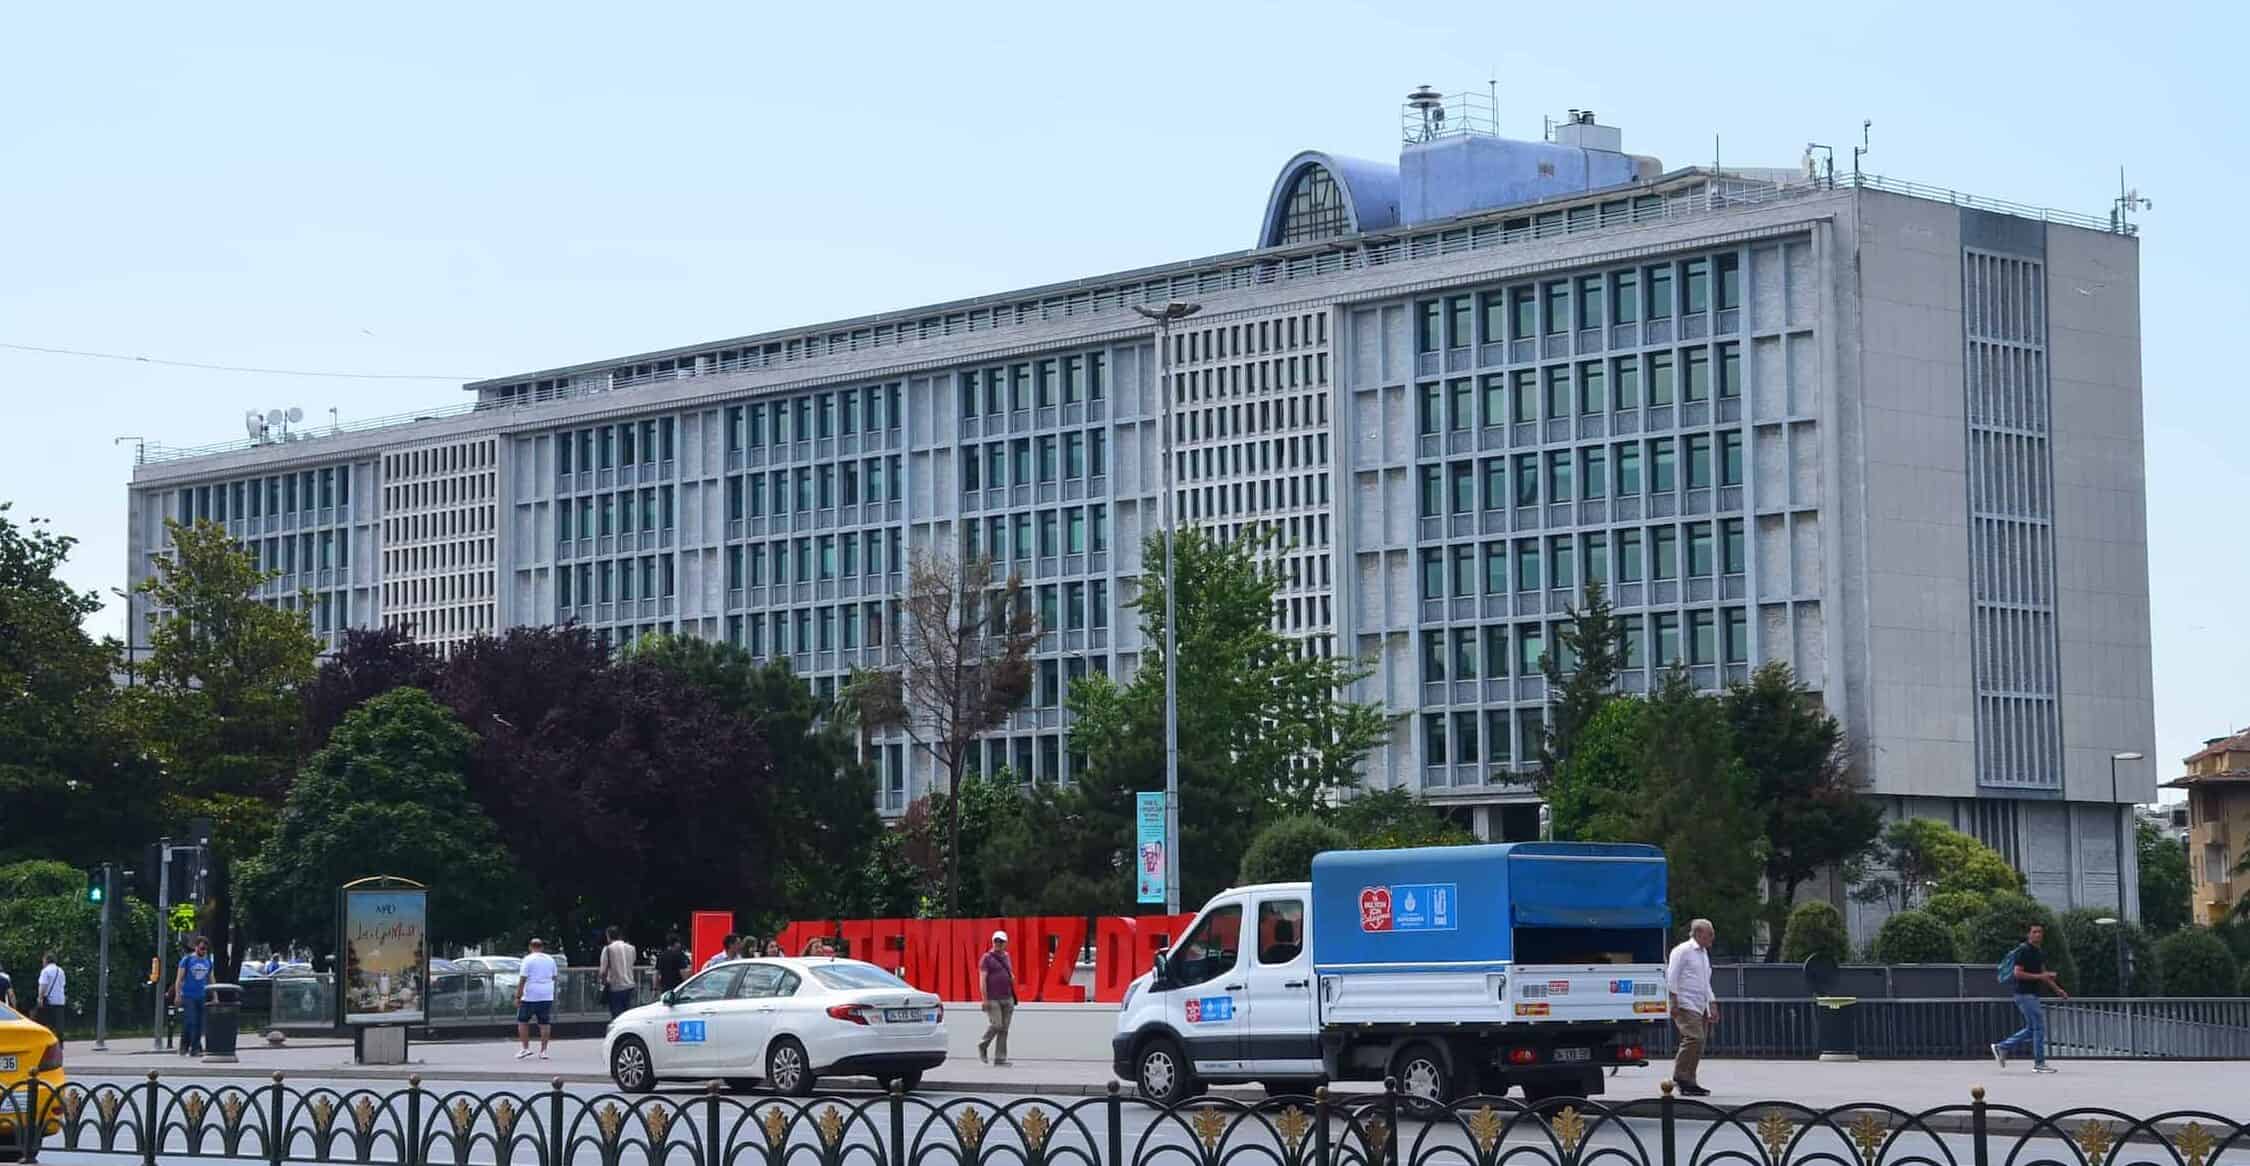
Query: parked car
<point x="786" y="1022"/>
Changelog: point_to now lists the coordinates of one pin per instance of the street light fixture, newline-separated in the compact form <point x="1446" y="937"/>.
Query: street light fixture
<point x="1171" y="313"/>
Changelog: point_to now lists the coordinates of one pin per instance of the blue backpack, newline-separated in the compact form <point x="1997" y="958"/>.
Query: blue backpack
<point x="2006" y="972"/>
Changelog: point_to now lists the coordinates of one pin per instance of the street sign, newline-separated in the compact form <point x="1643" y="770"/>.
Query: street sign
<point x="1149" y="854"/>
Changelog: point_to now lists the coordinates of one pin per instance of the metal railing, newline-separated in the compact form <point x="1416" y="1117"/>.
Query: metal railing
<point x="455" y="1000"/>
<point x="2202" y="1028"/>
<point x="154" y="1121"/>
<point x="1575" y="214"/>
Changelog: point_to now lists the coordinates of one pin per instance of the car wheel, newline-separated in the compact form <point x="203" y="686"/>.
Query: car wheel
<point x="630" y="1066"/>
<point x="788" y="1070"/>
<point x="1424" y="1074"/>
<point x="1163" y="1073"/>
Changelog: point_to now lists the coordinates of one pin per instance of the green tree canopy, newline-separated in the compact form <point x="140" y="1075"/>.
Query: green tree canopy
<point x="1816" y="929"/>
<point x="1396" y="817"/>
<point x="2096" y="948"/>
<point x="387" y="796"/>
<point x="2007" y="916"/>
<point x="2196" y="963"/>
<point x="1595" y="796"/>
<point x="43" y="908"/>
<point x="1581" y="675"/>
<point x="1913" y="937"/>
<point x="1801" y="779"/>
<point x="1919" y="859"/>
<point x="1284" y="850"/>
<point x="2165" y="889"/>
<point x="1697" y="807"/>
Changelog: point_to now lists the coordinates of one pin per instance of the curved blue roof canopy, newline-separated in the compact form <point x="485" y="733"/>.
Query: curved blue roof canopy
<point x="1369" y="189"/>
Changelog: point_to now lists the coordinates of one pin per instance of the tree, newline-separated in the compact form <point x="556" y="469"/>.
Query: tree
<point x="1801" y="778"/>
<point x="1040" y="858"/>
<point x="1816" y="928"/>
<point x="1393" y="818"/>
<point x="2096" y="948"/>
<point x="1595" y="796"/>
<point x="1283" y="852"/>
<point x="1696" y="805"/>
<point x="2165" y="888"/>
<point x="967" y="649"/>
<point x="2007" y="916"/>
<point x="73" y="783"/>
<point x="2196" y="963"/>
<point x="1913" y="937"/>
<point x="823" y="797"/>
<point x="386" y="796"/>
<point x="1918" y="859"/>
<point x="1581" y="676"/>
<point x="43" y="908"/>
<point x="217" y="699"/>
<point x="367" y="663"/>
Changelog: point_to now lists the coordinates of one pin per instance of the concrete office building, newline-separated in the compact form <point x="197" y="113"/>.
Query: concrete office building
<point x="1888" y="434"/>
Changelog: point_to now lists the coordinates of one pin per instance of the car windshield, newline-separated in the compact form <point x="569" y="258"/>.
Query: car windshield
<point x="7" y="1013"/>
<point x="504" y="963"/>
<point x="844" y="977"/>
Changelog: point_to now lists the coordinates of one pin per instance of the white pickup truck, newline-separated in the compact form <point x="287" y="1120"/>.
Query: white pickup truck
<point x="1452" y="970"/>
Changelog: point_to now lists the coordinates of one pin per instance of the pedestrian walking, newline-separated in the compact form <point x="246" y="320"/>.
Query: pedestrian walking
<point x="1687" y="976"/>
<point x="2026" y="966"/>
<point x="52" y="992"/>
<point x="188" y="992"/>
<point x="999" y="1000"/>
<point x="731" y="951"/>
<point x="671" y="964"/>
<point x="617" y="972"/>
<point x="7" y="991"/>
<point x="535" y="999"/>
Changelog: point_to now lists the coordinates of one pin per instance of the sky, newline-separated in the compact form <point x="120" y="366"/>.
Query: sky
<point x="461" y="191"/>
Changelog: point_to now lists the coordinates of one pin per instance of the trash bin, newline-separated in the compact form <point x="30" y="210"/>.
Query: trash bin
<point x="222" y="1021"/>
<point x="1838" y="1041"/>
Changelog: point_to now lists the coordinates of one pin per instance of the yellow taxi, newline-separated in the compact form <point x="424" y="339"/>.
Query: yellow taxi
<point x="28" y="1052"/>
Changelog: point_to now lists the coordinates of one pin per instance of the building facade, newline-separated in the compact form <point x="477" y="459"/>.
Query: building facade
<point x="2217" y="781"/>
<point x="1888" y="435"/>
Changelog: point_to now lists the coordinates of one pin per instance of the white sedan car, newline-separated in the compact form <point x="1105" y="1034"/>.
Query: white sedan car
<point x="786" y="1022"/>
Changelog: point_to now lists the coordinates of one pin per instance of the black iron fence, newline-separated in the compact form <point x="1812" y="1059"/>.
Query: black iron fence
<point x="155" y="1121"/>
<point x="2207" y="1028"/>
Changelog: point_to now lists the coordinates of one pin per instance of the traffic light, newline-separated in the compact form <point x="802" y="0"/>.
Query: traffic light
<point x="96" y="885"/>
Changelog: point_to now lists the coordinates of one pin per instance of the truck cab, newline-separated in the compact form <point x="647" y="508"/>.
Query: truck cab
<point x="1452" y="970"/>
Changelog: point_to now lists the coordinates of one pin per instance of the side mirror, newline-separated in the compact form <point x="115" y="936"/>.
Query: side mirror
<point x="670" y="998"/>
<point x="1160" y="970"/>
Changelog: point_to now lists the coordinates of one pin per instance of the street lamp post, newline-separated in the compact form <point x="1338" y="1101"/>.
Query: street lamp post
<point x="1165" y="317"/>
<point x="2119" y="810"/>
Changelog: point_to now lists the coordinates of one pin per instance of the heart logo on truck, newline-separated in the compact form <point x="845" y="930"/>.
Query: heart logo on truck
<point x="1375" y="909"/>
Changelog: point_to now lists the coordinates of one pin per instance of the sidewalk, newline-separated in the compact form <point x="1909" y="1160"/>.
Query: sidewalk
<point x="2135" y="1087"/>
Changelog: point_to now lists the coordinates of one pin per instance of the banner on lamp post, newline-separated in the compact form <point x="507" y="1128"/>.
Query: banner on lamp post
<point x="1149" y="853"/>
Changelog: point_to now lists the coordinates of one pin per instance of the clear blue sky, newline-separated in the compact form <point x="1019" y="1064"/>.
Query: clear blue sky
<point x="474" y="190"/>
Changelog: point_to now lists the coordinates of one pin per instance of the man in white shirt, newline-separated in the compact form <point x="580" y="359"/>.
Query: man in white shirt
<point x="617" y="973"/>
<point x="1687" y="976"/>
<point x="535" y="999"/>
<point x="51" y="988"/>
<point x="732" y="951"/>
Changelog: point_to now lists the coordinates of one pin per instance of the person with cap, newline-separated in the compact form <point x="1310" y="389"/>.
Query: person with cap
<point x="999" y="978"/>
<point x="535" y="999"/>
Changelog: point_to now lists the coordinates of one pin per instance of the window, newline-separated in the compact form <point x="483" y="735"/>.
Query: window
<point x="1495" y="568"/>
<point x="1635" y="639"/>
<point x="1314" y="209"/>
<point x="1660" y="465"/>
<point x="1464" y="653"/>
<point x="1595" y="474"/>
<point x="1597" y="559"/>
<point x="1558" y="307"/>
<point x="1526" y="393"/>
<point x="1660" y="378"/>
<point x="1075" y="530"/>
<point x="1665" y="553"/>
<point x="1433" y="407"/>
<point x="1464" y="475"/>
<point x="1523" y="308"/>
<point x="1530" y="650"/>
<point x="1730" y="547"/>
<point x="1730" y="458"/>
<point x="1429" y="326"/>
<point x="1667" y="639"/>
<point x="1660" y="292"/>
<point x="1562" y="563"/>
<point x="1629" y="556"/>
<point x="1496" y="483"/>
<point x="1698" y="461"/>
<point x="1496" y="649"/>
<point x="1695" y="285"/>
<point x="1049" y="384"/>
<point x="1629" y="470"/>
<point x="1433" y="573"/>
<point x="1433" y="491"/>
<point x="1590" y="301"/>
<point x="1558" y="391"/>
<point x="1460" y="312"/>
<point x="1698" y="375"/>
<point x="1700" y="550"/>
<point x="1527" y="565"/>
<point x="1281" y="931"/>
<point x="1495" y="399"/>
<point x="1625" y="297"/>
<point x="1433" y="738"/>
<point x="1464" y="570"/>
<point x="1463" y="395"/>
<point x="1730" y="370"/>
<point x="1527" y="479"/>
<point x="1593" y="388"/>
<point x="1495" y="307"/>
<point x="1703" y="647"/>
<point x="1730" y="280"/>
<point x="716" y="984"/>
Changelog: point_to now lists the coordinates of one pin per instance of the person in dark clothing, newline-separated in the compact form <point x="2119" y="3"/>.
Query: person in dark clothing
<point x="2029" y="961"/>
<point x="671" y="964"/>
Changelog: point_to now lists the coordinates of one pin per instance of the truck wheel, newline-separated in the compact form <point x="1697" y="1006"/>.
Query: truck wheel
<point x="1423" y="1072"/>
<point x="1164" y="1074"/>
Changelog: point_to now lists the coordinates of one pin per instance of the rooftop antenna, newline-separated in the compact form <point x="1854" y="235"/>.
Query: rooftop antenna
<point x="1862" y="148"/>
<point x="2128" y="201"/>
<point x="140" y="446"/>
<point x="1823" y="171"/>
<point x="1431" y="105"/>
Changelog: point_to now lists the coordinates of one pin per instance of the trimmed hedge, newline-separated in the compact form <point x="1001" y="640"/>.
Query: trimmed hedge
<point x="1913" y="937"/>
<point x="1815" y="928"/>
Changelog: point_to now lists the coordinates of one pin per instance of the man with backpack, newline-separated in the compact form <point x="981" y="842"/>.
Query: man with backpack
<point x="2025" y="968"/>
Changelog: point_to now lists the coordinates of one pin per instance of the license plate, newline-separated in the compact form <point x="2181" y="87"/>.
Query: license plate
<point x="8" y="1063"/>
<point x="904" y="1015"/>
<point x="1574" y="1054"/>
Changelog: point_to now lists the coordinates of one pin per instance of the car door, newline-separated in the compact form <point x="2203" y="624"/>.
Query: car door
<point x="1283" y="1035"/>
<point x="684" y="1042"/>
<point x="1203" y="1000"/>
<point x="744" y="1024"/>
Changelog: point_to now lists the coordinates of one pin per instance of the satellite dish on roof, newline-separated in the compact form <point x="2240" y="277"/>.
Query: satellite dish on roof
<point x="276" y="417"/>
<point x="1820" y="973"/>
<point x="254" y="424"/>
<point x="295" y="414"/>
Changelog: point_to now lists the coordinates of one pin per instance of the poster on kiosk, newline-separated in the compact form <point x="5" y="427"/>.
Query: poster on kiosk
<point x="382" y="963"/>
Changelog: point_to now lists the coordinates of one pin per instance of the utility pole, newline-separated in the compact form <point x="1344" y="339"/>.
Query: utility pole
<point x="1165" y="317"/>
<point x="163" y="910"/>
<point x="101" y="977"/>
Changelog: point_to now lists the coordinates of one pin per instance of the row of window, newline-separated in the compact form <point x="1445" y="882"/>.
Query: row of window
<point x="1588" y="473"/>
<point x="617" y="580"/>
<point x="848" y="626"/>
<point x="621" y="512"/>
<point x="1495" y="651"/>
<point x="438" y="524"/>
<point x="1263" y="456"/>
<point x="289" y="554"/>
<point x="822" y="487"/>
<point x="1066" y="380"/>
<point x="1560" y="562"/>
<point x="850" y="555"/>
<point x="1070" y="530"/>
<point x="1248" y="418"/>
<point x="824" y="414"/>
<point x="1554" y="307"/>
<point x="445" y="556"/>
<point x="1047" y="458"/>
<point x="408" y="594"/>
<point x="1255" y="338"/>
<point x="1256" y="497"/>
<point x="279" y="494"/>
<point x="437" y="492"/>
<point x="1282" y="373"/>
<point x="1586" y="388"/>
<point x="438" y="459"/>
<point x="603" y="447"/>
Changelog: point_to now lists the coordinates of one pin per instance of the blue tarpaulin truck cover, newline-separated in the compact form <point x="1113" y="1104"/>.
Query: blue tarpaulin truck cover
<point x="1457" y="907"/>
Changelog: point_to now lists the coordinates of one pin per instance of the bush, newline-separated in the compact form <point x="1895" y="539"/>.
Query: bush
<point x="1913" y="937"/>
<point x="1815" y="928"/>
<point x="2096" y="947"/>
<point x="2197" y="963"/>
<point x="1951" y="907"/>
<point x="1996" y="930"/>
<point x="43" y="906"/>
<point x="1283" y="852"/>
